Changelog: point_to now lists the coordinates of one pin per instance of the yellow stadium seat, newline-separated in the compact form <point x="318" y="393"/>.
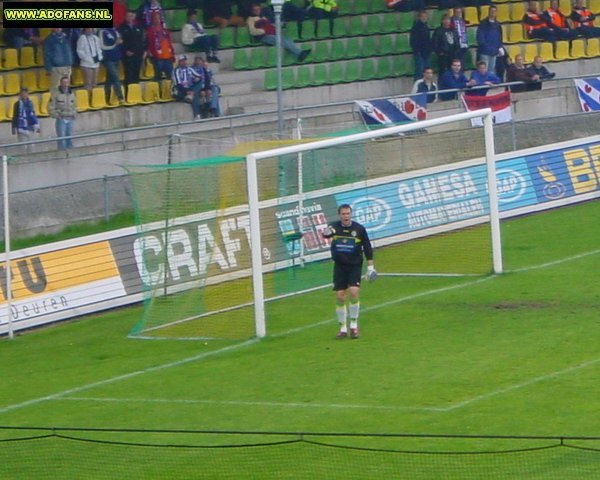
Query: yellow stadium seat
<point x="101" y="74"/>
<point x="594" y="6"/>
<point x="513" y="51"/>
<point x="565" y="6"/>
<point x="29" y="79"/>
<point x="547" y="51"/>
<point x="44" y="100"/>
<point x="530" y="52"/>
<point x="27" y="57"/>
<point x="147" y="70"/>
<point x="43" y="81"/>
<point x="593" y="47"/>
<point x="76" y="77"/>
<point x="471" y="16"/>
<point x="503" y="12"/>
<point x="44" y="32"/>
<point x="165" y="91"/>
<point x="11" y="59"/>
<point x="578" y="48"/>
<point x="134" y="94"/>
<point x="3" y="113"/>
<point x="12" y="83"/>
<point x="35" y="101"/>
<point x="561" y="50"/>
<point x="484" y="11"/>
<point x="98" y="100"/>
<point x="82" y="97"/>
<point x="1" y="85"/>
<point x="39" y="56"/>
<point x="515" y="33"/>
<point x="151" y="93"/>
<point x="517" y="10"/>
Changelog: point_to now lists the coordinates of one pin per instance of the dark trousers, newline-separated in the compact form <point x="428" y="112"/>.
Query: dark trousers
<point x="207" y="43"/>
<point x="132" y="66"/>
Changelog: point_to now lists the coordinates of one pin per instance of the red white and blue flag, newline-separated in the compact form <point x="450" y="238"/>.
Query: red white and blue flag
<point x="589" y="93"/>
<point x="500" y="105"/>
<point x="392" y="111"/>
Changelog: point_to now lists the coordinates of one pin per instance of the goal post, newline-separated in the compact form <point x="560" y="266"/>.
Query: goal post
<point x="254" y="202"/>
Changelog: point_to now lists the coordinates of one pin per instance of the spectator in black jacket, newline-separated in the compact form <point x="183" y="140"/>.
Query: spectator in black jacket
<point x="538" y="68"/>
<point x="445" y="44"/>
<point x="219" y="13"/>
<point x="133" y="47"/>
<point x="420" y="42"/>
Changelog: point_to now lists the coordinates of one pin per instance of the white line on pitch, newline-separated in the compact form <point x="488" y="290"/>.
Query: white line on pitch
<point x="247" y="403"/>
<point x="555" y="262"/>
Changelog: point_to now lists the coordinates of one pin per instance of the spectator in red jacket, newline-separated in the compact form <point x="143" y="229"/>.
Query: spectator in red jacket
<point x="160" y="49"/>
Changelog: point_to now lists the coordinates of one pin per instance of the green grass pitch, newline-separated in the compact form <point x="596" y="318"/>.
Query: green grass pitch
<point x="515" y="354"/>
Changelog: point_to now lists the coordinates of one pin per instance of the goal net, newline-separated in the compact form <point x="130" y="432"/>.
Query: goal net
<point x="221" y="238"/>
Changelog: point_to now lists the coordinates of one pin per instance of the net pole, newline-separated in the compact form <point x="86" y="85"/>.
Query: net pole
<point x="300" y="193"/>
<point x="7" y="252"/>
<point x="490" y="160"/>
<point x="255" y="247"/>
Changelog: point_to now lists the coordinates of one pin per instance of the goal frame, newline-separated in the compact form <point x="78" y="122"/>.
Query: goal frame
<point x="252" y="160"/>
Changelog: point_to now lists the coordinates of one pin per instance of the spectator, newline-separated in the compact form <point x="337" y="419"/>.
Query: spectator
<point x="538" y="68"/>
<point x="426" y="85"/>
<point x="445" y="44"/>
<point x="112" y="54"/>
<point x="21" y="37"/>
<point x="24" y="119"/>
<point x="184" y="81"/>
<point x="321" y="9"/>
<point x="193" y="36"/>
<point x="454" y="77"/>
<point x="405" y="5"/>
<point x="458" y="23"/>
<point x="535" y="24"/>
<point x="583" y="20"/>
<point x="58" y="57"/>
<point x="420" y="42"/>
<point x="289" y="13"/>
<point x="501" y="63"/>
<point x="119" y="13"/>
<point x="489" y="39"/>
<point x="147" y="11"/>
<point x="210" y="87"/>
<point x="264" y="31"/>
<point x="481" y="76"/>
<point x="244" y="7"/>
<point x="558" y="22"/>
<point x="219" y="13"/>
<point x="134" y="48"/>
<point x="63" y="108"/>
<point x="73" y="35"/>
<point x="160" y="49"/>
<point x="516" y="72"/>
<point x="89" y="52"/>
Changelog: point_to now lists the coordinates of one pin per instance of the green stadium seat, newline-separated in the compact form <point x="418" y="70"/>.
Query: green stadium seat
<point x="472" y="37"/>
<point x="469" y="61"/>
<point x="242" y="37"/>
<point x="320" y="52"/>
<point x="353" y="48"/>
<point x="175" y="19"/>
<point x="339" y="27"/>
<point x="361" y="7"/>
<point x="258" y="58"/>
<point x="368" y="70"/>
<point x="270" y="79"/>
<point x="386" y="45"/>
<point x="388" y="24"/>
<point x="435" y="18"/>
<point x="323" y="28"/>
<point x="405" y="22"/>
<point x="403" y="65"/>
<point x="227" y="37"/>
<point x="355" y="26"/>
<point x="336" y="73"/>
<point x="384" y="67"/>
<point x="291" y="31"/>
<point x="308" y="30"/>
<point x="352" y="72"/>
<point x="319" y="76"/>
<point x="272" y="57"/>
<point x="240" y="59"/>
<point x="345" y="8"/>
<point x="338" y="50"/>
<point x="369" y="47"/>
<point x="304" y="77"/>
<point x="402" y="43"/>
<point x="373" y="26"/>
<point x="288" y="78"/>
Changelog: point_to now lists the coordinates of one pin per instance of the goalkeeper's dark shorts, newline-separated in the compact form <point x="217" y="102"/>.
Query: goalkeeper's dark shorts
<point x="345" y="276"/>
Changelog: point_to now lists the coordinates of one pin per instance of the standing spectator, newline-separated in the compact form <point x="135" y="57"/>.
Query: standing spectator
<point x="148" y="10"/>
<point x="445" y="44"/>
<point x="420" y="42"/>
<point x="536" y="25"/>
<point x="21" y="37"/>
<point x="489" y="39"/>
<point x="184" y="81"/>
<point x="405" y="5"/>
<point x="426" y="85"/>
<point x="73" y="35"/>
<point x="479" y="77"/>
<point x="58" y="57"/>
<point x="452" y="78"/>
<point x="538" y="68"/>
<point x="134" y="48"/>
<point x="119" y="13"/>
<point x="289" y="13"/>
<point x="112" y="54"/>
<point x="24" y="119"/>
<point x="90" y="56"/>
<point x="459" y="24"/>
<point x="583" y="20"/>
<point x="516" y="72"/>
<point x="63" y="108"/>
<point x="558" y="22"/>
<point x="219" y="13"/>
<point x="264" y="31"/>
<point x="160" y="49"/>
<point x="193" y="36"/>
<point x="321" y="9"/>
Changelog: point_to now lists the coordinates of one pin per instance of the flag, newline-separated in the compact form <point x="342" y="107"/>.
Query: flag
<point x="588" y="91"/>
<point x="500" y="105"/>
<point x="391" y="111"/>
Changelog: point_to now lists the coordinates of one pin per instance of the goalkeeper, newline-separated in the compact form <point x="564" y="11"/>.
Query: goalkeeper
<point x="349" y="241"/>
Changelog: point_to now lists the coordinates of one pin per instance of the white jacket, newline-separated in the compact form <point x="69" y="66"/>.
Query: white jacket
<point x="88" y="46"/>
<point x="189" y="33"/>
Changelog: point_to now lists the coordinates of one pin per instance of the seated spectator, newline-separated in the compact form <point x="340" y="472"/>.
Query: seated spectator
<point x="445" y="44"/>
<point x="405" y="5"/>
<point x="420" y="43"/>
<point x="516" y="72"/>
<point x="481" y="77"/>
<point x="22" y="37"/>
<point x="264" y="31"/>
<point x="211" y="107"/>
<point x="289" y="13"/>
<point x="426" y="85"/>
<point x="536" y="25"/>
<point x="24" y="119"/>
<point x="320" y="9"/>
<point x="454" y="77"/>
<point x="244" y="7"/>
<point x="183" y="82"/>
<point x="194" y="37"/>
<point x="219" y="13"/>
<point x="489" y="39"/>
<point x="147" y="11"/>
<point x="160" y="49"/>
<point x="538" y="68"/>
<point x="558" y="21"/>
<point x="89" y="52"/>
<point x="583" y="20"/>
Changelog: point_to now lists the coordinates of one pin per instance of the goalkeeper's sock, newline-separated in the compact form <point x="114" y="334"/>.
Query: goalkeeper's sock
<point x="354" y="309"/>
<point x="340" y="311"/>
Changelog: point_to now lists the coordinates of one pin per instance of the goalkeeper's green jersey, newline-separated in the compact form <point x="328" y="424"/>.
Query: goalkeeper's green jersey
<point x="349" y="244"/>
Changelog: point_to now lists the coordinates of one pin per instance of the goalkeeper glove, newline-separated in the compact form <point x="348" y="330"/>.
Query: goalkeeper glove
<point x="328" y="231"/>
<point x="371" y="273"/>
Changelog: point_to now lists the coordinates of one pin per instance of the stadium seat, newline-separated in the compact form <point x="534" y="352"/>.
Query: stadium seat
<point x="258" y="58"/>
<point x="386" y="45"/>
<point x="227" y="37"/>
<point x="147" y="70"/>
<point x="403" y="43"/>
<point x="1" y="85"/>
<point x="368" y="69"/>
<point x="308" y="29"/>
<point x="336" y="73"/>
<point x="98" y="100"/>
<point x="44" y="101"/>
<point x="593" y="47"/>
<point x="27" y="57"/>
<point x="594" y="6"/>
<point x="515" y="33"/>
<point x="578" y="48"/>
<point x="165" y="91"/>
<point x="339" y="27"/>
<point x="101" y="74"/>
<point x="369" y="47"/>
<point x="35" y="101"/>
<point x="12" y="83"/>
<point x="355" y="26"/>
<point x="353" y="48"/>
<point x="503" y="12"/>
<point x="288" y="78"/>
<point x="344" y="8"/>
<point x="10" y="60"/>
<point x="270" y="82"/>
<point x="388" y="24"/>
<point x="319" y="76"/>
<point x="76" y="77"/>
<point x="4" y="115"/>
<point x="530" y="52"/>
<point x="517" y="11"/>
<point x="43" y="81"/>
<point x="405" y="22"/>
<point x="242" y="37"/>
<point x="361" y="7"/>
<point x="320" y="53"/>
<point x="240" y="59"/>
<point x="352" y="72"/>
<point x="134" y="94"/>
<point x="175" y="19"/>
<point x="561" y="50"/>
<point x="472" y="37"/>
<point x="435" y="18"/>
<point x="484" y="11"/>
<point x="384" y="68"/>
<point x="402" y="66"/>
<point x="303" y="77"/>
<point x="323" y="28"/>
<point x="82" y="99"/>
<point x="547" y="51"/>
<point x="29" y="79"/>
<point x="513" y="51"/>
<point x="565" y="6"/>
<point x="151" y="92"/>
<point x="338" y="50"/>
<point x="39" y="57"/>
<point x="471" y="15"/>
